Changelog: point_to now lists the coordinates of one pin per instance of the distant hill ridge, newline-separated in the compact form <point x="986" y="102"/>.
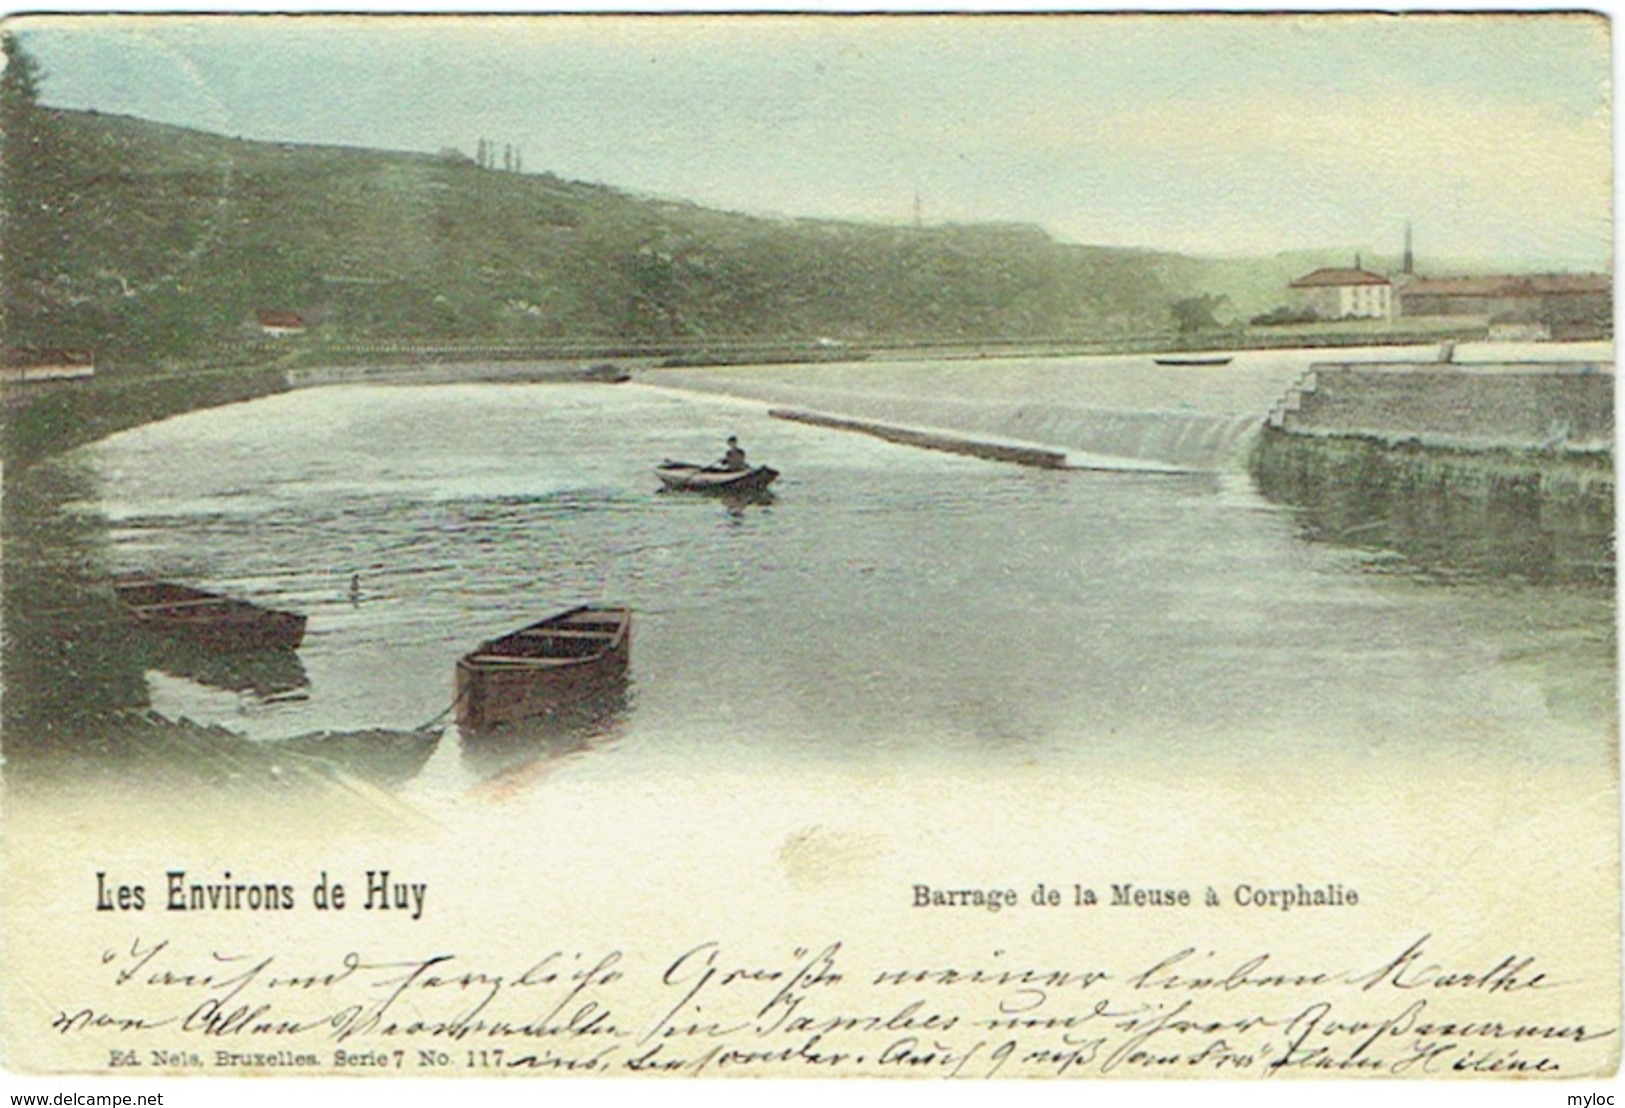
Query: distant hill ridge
<point x="174" y="239"/>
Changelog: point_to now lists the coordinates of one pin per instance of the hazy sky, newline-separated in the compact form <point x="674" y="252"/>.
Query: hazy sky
<point x="1214" y="135"/>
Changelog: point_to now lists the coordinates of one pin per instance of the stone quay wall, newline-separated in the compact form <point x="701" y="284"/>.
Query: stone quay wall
<point x="1561" y="406"/>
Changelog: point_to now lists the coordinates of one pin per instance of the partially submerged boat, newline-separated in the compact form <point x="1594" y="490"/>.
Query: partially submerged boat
<point x="206" y="618"/>
<point x="552" y="664"/>
<point x="381" y="756"/>
<point x="686" y="477"/>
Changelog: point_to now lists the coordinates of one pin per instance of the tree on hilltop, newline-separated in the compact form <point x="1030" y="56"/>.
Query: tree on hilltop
<point x="1195" y="314"/>
<point x="30" y="214"/>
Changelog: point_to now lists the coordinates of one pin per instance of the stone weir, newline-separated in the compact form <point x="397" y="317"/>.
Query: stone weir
<point x="1498" y="469"/>
<point x="945" y="442"/>
<point x="1079" y="413"/>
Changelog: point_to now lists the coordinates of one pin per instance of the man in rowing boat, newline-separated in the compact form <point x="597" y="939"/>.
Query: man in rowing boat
<point x="734" y="460"/>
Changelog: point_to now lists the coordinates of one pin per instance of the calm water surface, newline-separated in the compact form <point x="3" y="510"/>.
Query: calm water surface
<point x="890" y="607"/>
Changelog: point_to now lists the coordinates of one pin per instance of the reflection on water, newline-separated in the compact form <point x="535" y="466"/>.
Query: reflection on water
<point x="69" y="652"/>
<point x="737" y="504"/>
<point x="264" y="674"/>
<point x="572" y="728"/>
<point x="888" y="608"/>
<point x="1545" y="521"/>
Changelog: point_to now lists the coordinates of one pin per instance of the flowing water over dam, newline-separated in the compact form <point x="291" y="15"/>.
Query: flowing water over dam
<point x="888" y="607"/>
<point x="1115" y="411"/>
<point x="1127" y="412"/>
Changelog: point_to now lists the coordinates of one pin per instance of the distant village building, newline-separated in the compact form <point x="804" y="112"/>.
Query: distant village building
<point x="281" y="324"/>
<point x="1355" y="293"/>
<point x="1522" y="325"/>
<point x="1521" y="307"/>
<point x="1563" y="305"/>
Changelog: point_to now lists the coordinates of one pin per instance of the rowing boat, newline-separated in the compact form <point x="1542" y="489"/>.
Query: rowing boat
<point x="208" y="619"/>
<point x="684" y="477"/>
<point x="548" y="665"/>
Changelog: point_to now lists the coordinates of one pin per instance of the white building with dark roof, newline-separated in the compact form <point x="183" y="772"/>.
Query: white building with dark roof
<point x="1345" y="293"/>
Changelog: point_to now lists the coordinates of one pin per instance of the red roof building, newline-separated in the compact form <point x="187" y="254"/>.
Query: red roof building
<point x="1338" y="278"/>
<point x="1568" y="304"/>
<point x="1333" y="293"/>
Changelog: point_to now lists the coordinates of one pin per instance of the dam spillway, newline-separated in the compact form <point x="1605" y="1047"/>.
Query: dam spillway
<point x="1207" y="418"/>
<point x="1502" y="465"/>
<point x="1122" y="408"/>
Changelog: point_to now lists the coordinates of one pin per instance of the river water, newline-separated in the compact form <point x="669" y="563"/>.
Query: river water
<point x="908" y="668"/>
<point x="889" y="608"/>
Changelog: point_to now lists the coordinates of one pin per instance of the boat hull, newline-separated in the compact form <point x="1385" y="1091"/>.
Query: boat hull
<point x="496" y="684"/>
<point x="214" y="622"/>
<point x="699" y="479"/>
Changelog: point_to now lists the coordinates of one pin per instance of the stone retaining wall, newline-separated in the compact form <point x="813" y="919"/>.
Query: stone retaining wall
<point x="1508" y="406"/>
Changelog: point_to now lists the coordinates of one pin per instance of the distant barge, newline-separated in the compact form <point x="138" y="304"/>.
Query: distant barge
<point x="1201" y="360"/>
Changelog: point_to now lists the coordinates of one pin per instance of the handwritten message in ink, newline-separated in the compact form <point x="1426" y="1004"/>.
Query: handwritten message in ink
<point x="707" y="1007"/>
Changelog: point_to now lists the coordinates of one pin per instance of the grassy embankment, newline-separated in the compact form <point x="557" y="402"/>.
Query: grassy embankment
<point x="173" y="240"/>
<point x="57" y="419"/>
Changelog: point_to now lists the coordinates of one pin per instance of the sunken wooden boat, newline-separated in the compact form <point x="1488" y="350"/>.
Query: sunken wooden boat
<point x="684" y="477"/>
<point x="208" y="619"/>
<point x="381" y="756"/>
<point x="564" y="660"/>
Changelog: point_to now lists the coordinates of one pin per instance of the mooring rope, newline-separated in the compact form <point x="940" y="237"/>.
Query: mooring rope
<point x="444" y="712"/>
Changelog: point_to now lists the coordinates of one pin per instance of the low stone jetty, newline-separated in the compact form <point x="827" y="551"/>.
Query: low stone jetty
<point x="431" y="372"/>
<point x="930" y="440"/>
